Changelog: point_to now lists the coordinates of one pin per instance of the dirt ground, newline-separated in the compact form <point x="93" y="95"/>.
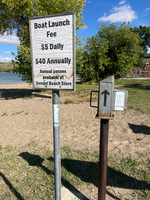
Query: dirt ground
<point x="23" y="120"/>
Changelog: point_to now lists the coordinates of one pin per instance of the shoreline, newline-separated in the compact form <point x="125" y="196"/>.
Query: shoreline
<point x="16" y="86"/>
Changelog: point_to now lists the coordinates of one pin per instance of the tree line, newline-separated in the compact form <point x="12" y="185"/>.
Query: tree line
<point x="113" y="50"/>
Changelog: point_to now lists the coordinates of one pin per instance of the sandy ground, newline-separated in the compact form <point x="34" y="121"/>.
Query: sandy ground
<point x="23" y="120"/>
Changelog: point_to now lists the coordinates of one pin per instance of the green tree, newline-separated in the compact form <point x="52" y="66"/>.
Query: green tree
<point x="144" y="33"/>
<point x="114" y="50"/>
<point x="15" y="16"/>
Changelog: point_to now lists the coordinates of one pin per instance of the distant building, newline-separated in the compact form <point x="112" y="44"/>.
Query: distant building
<point x="140" y="72"/>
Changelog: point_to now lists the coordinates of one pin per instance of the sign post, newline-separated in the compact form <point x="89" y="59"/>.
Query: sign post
<point x="109" y="100"/>
<point x="53" y="67"/>
<point x="106" y="87"/>
<point x="56" y="136"/>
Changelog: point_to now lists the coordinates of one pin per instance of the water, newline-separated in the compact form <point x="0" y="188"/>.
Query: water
<point x="8" y="78"/>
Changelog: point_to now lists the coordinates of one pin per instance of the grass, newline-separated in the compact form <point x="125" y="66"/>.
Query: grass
<point x="82" y="94"/>
<point x="18" y="113"/>
<point x="4" y="114"/>
<point x="133" y="82"/>
<point x="28" y="172"/>
<point x="6" y="67"/>
<point x="134" y="174"/>
<point x="138" y="93"/>
<point x="67" y="101"/>
<point x="25" y="175"/>
<point x="139" y="99"/>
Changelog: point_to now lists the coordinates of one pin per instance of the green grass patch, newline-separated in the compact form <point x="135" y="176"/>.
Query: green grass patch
<point x="138" y="99"/>
<point x="28" y="173"/>
<point x="138" y="93"/>
<point x="87" y="86"/>
<point x="132" y="173"/>
<point x="25" y="175"/>
<point x="68" y="101"/>
<point x="133" y="83"/>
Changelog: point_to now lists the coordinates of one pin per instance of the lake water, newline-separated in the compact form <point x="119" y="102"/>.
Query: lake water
<point x="8" y="78"/>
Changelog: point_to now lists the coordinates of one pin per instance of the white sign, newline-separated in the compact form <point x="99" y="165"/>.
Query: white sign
<point x="120" y="99"/>
<point x="53" y="51"/>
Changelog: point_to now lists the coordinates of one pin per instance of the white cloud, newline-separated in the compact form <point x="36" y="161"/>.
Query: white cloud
<point x="9" y="39"/>
<point x="146" y="11"/>
<point x="6" y="52"/>
<point x="120" y="13"/>
<point x="121" y="2"/>
<point x="5" y="59"/>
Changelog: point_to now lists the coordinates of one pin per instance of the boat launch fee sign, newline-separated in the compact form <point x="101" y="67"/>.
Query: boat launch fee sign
<point x="53" y="51"/>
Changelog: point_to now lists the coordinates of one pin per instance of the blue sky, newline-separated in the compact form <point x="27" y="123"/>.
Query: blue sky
<point x="95" y="13"/>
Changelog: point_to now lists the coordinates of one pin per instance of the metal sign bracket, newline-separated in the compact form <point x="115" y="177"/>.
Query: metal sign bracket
<point x="108" y="100"/>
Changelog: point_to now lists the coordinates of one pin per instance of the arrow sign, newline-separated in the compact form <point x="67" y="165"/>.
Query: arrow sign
<point x="106" y="87"/>
<point x="105" y="92"/>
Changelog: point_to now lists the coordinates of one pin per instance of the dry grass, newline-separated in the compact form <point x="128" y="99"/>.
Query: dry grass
<point x="6" y="67"/>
